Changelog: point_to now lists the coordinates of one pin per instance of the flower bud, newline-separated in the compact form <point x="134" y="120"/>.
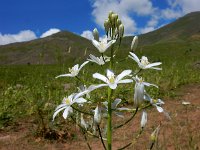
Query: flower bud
<point x="154" y="134"/>
<point x="96" y="34"/>
<point x="119" y="22"/>
<point x="139" y="92"/>
<point x="97" y="115"/>
<point x="106" y="25"/>
<point x="110" y="15"/>
<point x="134" y="43"/>
<point x="114" y="18"/>
<point x="83" y="123"/>
<point x="121" y="30"/>
<point x="144" y="119"/>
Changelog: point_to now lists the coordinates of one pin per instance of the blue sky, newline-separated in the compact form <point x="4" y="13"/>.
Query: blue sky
<point x="23" y="20"/>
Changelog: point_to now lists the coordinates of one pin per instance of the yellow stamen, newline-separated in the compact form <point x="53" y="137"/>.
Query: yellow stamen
<point x="67" y="101"/>
<point x="112" y="79"/>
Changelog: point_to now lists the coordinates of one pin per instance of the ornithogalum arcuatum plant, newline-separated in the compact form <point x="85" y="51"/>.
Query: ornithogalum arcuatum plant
<point x="96" y="109"/>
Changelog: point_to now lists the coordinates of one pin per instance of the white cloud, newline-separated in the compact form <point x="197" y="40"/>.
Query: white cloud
<point x="124" y="8"/>
<point x="186" y="6"/>
<point x="153" y="22"/>
<point x="87" y="34"/>
<point x="50" y="32"/>
<point x="146" y="30"/>
<point x="127" y="9"/>
<point x="178" y="8"/>
<point x="25" y="35"/>
<point x="171" y="14"/>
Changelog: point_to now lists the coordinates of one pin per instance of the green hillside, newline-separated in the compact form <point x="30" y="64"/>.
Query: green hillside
<point x="186" y="28"/>
<point x="63" y="47"/>
<point x="46" y="50"/>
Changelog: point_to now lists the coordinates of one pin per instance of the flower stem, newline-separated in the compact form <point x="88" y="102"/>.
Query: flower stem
<point x="111" y="57"/>
<point x="101" y="137"/>
<point x="109" y="121"/>
<point x="121" y="125"/>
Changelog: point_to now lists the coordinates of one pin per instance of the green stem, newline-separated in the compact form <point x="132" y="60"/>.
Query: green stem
<point x="103" y="58"/>
<point x="81" y="111"/>
<point x="121" y="125"/>
<point x="109" y="121"/>
<point x="83" y="132"/>
<point x="111" y="57"/>
<point x="101" y="137"/>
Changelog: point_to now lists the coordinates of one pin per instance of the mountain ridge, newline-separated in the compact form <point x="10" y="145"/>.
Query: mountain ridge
<point x="51" y="49"/>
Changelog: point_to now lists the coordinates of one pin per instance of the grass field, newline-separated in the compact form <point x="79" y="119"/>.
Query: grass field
<point x="32" y="92"/>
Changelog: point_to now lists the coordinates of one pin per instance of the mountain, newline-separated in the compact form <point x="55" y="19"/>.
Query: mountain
<point x="48" y="50"/>
<point x="66" y="47"/>
<point x="183" y="29"/>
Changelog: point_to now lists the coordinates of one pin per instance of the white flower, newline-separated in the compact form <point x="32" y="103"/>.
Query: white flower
<point x="103" y="45"/>
<point x="97" y="115"/>
<point x="83" y="123"/>
<point x="98" y="60"/>
<point x="111" y="80"/>
<point x="83" y="88"/>
<point x="155" y="102"/>
<point x="67" y="102"/>
<point x="74" y="70"/>
<point x="144" y="119"/>
<point x="139" y="90"/>
<point x="114" y="107"/>
<point x="143" y="63"/>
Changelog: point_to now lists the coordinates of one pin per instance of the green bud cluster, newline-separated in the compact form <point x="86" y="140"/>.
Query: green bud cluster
<point x="113" y="26"/>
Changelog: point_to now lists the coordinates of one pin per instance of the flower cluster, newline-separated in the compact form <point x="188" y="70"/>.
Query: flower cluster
<point x="103" y="109"/>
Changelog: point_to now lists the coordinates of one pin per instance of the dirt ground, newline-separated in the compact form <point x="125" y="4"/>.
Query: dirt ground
<point x="182" y="132"/>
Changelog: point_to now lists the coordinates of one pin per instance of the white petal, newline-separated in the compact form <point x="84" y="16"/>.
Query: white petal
<point x="160" y="102"/>
<point x="109" y="44"/>
<point x="109" y="74"/>
<point x="57" y="111"/>
<point x="147" y="97"/>
<point x="125" y="81"/>
<point x="149" y="84"/>
<point x="77" y="95"/>
<point x="66" y="112"/>
<point x="115" y="103"/>
<point x="123" y="74"/>
<point x="156" y="68"/>
<point x="160" y="109"/>
<point x="60" y="106"/>
<point x="83" y="65"/>
<point x="100" y="77"/>
<point x="64" y="75"/>
<point x="80" y="100"/>
<point x="76" y="67"/>
<point x="113" y="86"/>
<point x="134" y="57"/>
<point x="153" y="64"/>
<point x="97" y="45"/>
<point x="93" y="87"/>
<point x="93" y="58"/>
<point x="123" y="108"/>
